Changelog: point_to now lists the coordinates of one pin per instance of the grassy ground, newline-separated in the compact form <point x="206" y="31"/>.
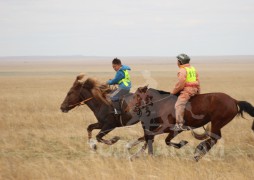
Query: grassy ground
<point x="39" y="142"/>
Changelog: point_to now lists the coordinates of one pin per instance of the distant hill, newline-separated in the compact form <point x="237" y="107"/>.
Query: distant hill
<point x="126" y="60"/>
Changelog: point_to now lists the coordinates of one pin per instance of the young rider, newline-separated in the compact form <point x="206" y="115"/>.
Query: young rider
<point x="122" y="78"/>
<point x="188" y="85"/>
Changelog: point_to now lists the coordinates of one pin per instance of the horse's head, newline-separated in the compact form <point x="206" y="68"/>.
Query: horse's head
<point x="73" y="96"/>
<point x="135" y="101"/>
<point x="84" y="89"/>
<point x="142" y="90"/>
<point x="140" y="93"/>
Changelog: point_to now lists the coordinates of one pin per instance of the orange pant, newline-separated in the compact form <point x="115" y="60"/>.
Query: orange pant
<point x="181" y="102"/>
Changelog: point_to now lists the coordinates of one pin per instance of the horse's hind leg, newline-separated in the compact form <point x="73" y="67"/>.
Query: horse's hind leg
<point x="90" y="128"/>
<point x="206" y="145"/>
<point x="170" y="136"/>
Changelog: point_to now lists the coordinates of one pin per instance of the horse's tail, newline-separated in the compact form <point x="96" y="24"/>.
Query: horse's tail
<point x="246" y="107"/>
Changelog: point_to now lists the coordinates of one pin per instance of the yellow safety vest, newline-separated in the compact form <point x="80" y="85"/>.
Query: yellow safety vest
<point x="126" y="79"/>
<point x="191" y="74"/>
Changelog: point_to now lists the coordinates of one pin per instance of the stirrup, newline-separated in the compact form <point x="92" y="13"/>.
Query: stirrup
<point x="117" y="112"/>
<point x="179" y="127"/>
<point x="185" y="128"/>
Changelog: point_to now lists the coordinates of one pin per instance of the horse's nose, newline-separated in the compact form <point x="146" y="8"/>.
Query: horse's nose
<point x="64" y="110"/>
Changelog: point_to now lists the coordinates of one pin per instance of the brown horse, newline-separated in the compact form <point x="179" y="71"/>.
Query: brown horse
<point x="158" y="115"/>
<point x="92" y="93"/>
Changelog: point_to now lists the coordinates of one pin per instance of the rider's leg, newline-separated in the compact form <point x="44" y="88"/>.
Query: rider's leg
<point x="180" y="107"/>
<point x="115" y="98"/>
<point x="181" y="102"/>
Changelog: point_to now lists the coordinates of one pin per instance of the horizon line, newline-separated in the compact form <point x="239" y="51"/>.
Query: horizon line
<point x="101" y="56"/>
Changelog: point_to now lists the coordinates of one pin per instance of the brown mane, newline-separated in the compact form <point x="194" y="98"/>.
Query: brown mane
<point x="98" y="89"/>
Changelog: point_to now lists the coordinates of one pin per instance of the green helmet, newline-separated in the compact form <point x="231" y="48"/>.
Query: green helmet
<point x="183" y="58"/>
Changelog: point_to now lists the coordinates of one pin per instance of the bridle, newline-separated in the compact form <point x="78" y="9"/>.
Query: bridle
<point x="81" y="102"/>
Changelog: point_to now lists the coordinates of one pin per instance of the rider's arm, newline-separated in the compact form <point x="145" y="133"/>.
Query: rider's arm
<point x="181" y="81"/>
<point x="197" y="75"/>
<point x="118" y="77"/>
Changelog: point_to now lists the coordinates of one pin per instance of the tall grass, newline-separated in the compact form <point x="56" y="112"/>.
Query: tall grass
<point x="39" y="142"/>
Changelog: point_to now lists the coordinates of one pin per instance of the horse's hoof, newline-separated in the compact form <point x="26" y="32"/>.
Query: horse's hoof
<point x="128" y="146"/>
<point x="130" y="158"/>
<point x="115" y="139"/>
<point x="183" y="142"/>
<point x="92" y="145"/>
<point x="177" y="145"/>
<point x="198" y="156"/>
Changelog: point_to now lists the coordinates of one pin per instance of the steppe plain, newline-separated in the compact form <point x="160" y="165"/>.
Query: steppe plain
<point x="38" y="141"/>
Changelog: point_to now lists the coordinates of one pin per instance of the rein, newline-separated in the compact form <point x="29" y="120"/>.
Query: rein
<point x="81" y="103"/>
<point x="150" y="103"/>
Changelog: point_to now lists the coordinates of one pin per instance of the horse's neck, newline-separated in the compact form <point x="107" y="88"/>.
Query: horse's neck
<point x="161" y="92"/>
<point x="94" y="105"/>
<point x="97" y="106"/>
<point x="157" y="94"/>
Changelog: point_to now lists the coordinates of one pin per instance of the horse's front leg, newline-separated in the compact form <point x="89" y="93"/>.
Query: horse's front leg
<point x="139" y="152"/>
<point x="90" y="128"/>
<point x="149" y="141"/>
<point x="106" y="128"/>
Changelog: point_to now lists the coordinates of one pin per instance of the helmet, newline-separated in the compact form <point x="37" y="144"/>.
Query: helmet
<point x="183" y="58"/>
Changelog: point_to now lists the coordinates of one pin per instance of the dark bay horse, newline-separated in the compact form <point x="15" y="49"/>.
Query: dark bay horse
<point x="92" y="93"/>
<point x="157" y="114"/>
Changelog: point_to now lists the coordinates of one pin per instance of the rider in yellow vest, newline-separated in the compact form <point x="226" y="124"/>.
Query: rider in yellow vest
<point x="188" y="85"/>
<point x="122" y="78"/>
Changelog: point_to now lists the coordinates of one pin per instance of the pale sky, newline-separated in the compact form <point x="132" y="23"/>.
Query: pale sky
<point x="126" y="27"/>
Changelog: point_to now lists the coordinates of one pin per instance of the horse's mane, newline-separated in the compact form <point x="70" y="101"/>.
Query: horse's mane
<point x="160" y="91"/>
<point x="163" y="92"/>
<point x="99" y="90"/>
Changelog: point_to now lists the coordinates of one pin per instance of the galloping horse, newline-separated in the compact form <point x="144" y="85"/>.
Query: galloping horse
<point x="157" y="114"/>
<point x="92" y="93"/>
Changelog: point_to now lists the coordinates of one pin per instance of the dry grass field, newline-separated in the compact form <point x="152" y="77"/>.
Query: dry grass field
<point x="38" y="141"/>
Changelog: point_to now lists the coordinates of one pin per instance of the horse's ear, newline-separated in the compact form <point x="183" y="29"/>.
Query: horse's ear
<point x="80" y="78"/>
<point x="146" y="87"/>
<point x="143" y="89"/>
<point x="140" y="89"/>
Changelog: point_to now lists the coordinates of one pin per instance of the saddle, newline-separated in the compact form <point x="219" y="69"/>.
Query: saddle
<point x="118" y="105"/>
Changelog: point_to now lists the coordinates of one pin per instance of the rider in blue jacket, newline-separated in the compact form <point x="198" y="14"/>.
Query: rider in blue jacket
<point x="122" y="78"/>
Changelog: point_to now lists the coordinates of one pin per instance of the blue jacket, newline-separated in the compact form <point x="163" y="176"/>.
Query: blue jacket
<point x="119" y="76"/>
